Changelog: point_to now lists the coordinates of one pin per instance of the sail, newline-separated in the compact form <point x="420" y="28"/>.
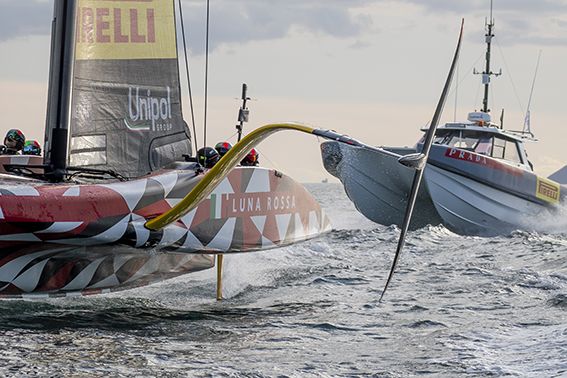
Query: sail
<point x="126" y="102"/>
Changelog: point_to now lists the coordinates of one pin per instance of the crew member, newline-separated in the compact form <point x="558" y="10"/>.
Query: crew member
<point x="13" y="142"/>
<point x="222" y="148"/>
<point x="252" y="159"/>
<point x="31" y="147"/>
<point x="207" y="157"/>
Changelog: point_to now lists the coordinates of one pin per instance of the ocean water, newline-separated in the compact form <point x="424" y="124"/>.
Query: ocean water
<point x="458" y="306"/>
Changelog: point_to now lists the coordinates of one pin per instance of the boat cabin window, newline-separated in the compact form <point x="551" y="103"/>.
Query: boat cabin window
<point x="464" y="140"/>
<point x="484" y="146"/>
<point x="506" y="149"/>
<point x="480" y="143"/>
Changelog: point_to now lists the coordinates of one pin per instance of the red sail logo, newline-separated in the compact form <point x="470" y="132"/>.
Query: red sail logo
<point x="125" y="29"/>
<point x="107" y="25"/>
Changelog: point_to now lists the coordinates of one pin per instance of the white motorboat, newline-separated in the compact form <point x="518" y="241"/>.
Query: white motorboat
<point x="478" y="179"/>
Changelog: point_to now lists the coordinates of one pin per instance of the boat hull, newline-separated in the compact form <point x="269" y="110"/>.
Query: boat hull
<point x="252" y="209"/>
<point x="479" y="195"/>
<point x="56" y="271"/>
<point x="378" y="184"/>
<point x="472" y="208"/>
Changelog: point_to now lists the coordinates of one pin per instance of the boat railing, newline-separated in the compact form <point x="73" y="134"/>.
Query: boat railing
<point x="527" y="136"/>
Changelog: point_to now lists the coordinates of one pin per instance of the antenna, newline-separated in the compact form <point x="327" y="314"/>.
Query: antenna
<point x="487" y="73"/>
<point x="243" y="113"/>
<point x="527" y="126"/>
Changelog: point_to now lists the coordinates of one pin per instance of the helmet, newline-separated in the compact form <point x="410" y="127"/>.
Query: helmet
<point x="31" y="147"/>
<point x="251" y="159"/>
<point x="222" y="148"/>
<point x="207" y="157"/>
<point x="14" y="140"/>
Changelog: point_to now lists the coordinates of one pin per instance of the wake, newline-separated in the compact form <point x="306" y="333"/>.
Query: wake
<point x="553" y="221"/>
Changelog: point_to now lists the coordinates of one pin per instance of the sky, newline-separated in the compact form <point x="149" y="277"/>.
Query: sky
<point x="372" y="69"/>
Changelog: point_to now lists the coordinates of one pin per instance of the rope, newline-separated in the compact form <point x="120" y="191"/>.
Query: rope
<point x="466" y="77"/>
<point x="476" y="96"/>
<point x="188" y="77"/>
<point x="510" y="75"/>
<point x="264" y="156"/>
<point x="206" y="77"/>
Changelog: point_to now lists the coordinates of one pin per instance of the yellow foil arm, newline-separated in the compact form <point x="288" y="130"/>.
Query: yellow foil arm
<point x="220" y="171"/>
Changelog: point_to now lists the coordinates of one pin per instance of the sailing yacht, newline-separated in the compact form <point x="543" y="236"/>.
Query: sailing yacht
<point x="100" y="211"/>
<point x="478" y="179"/>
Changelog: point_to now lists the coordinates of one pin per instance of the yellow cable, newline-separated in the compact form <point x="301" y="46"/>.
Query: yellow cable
<point x="216" y="174"/>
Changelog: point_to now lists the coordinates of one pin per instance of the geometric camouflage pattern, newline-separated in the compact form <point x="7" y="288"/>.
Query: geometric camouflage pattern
<point x="55" y="271"/>
<point x="49" y="233"/>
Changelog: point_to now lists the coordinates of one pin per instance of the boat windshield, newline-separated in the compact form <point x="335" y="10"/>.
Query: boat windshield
<point x="481" y="143"/>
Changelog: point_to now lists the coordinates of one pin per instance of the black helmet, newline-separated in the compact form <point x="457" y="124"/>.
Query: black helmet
<point x="15" y="140"/>
<point x="207" y="157"/>
<point x="251" y="159"/>
<point x="222" y="148"/>
<point x="31" y="147"/>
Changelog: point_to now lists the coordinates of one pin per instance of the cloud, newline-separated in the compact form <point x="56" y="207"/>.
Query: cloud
<point x="254" y="20"/>
<point x="541" y="22"/>
<point x="235" y="22"/>
<point x="231" y="21"/>
<point x="516" y="6"/>
<point x="24" y="18"/>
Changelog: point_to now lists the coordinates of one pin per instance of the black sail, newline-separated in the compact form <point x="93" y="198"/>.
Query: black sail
<point x="126" y="108"/>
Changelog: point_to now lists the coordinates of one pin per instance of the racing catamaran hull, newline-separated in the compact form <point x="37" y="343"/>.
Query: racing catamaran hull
<point x="50" y="232"/>
<point x="55" y="271"/>
<point x="114" y="113"/>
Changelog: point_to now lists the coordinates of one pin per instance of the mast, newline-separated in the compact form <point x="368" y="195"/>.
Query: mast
<point x="59" y="95"/>
<point x="487" y="73"/>
<point x="243" y="113"/>
<point x="527" y="122"/>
